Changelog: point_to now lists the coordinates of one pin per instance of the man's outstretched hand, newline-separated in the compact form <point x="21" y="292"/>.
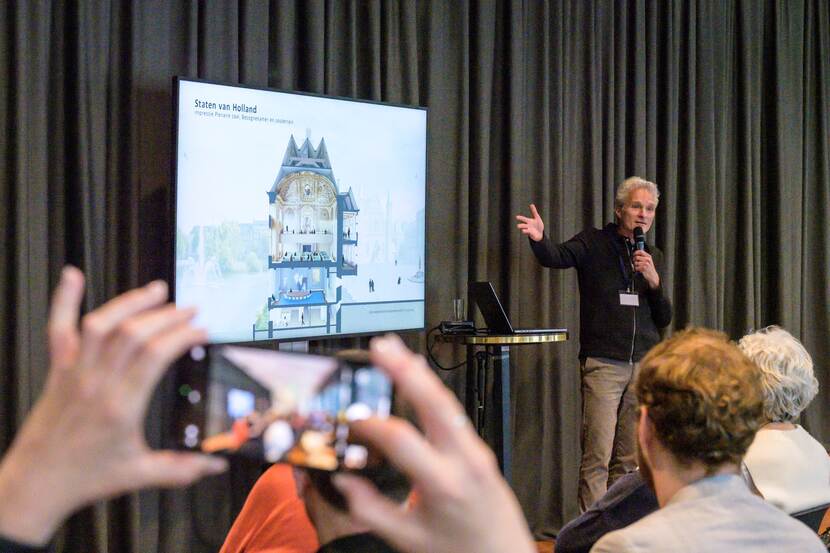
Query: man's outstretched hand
<point x="531" y="226"/>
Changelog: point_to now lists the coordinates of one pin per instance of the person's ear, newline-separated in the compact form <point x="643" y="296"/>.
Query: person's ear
<point x="618" y="212"/>
<point x="645" y="432"/>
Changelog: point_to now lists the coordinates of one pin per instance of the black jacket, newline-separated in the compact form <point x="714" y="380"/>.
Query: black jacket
<point x="607" y="329"/>
<point x="626" y="502"/>
<point x="357" y="543"/>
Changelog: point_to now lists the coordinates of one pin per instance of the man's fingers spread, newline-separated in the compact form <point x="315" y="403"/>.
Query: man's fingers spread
<point x="384" y="517"/>
<point x="533" y="211"/>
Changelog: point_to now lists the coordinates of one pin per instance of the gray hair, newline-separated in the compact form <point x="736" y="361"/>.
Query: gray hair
<point x="786" y="372"/>
<point x="631" y="184"/>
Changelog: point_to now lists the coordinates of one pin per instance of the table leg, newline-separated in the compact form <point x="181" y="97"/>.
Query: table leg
<point x="470" y="387"/>
<point x="504" y="441"/>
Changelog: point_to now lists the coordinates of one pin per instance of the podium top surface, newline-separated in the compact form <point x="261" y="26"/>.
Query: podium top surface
<point x="503" y="339"/>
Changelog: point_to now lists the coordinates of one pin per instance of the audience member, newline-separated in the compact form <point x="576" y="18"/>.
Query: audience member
<point x="293" y="511"/>
<point x="793" y="468"/>
<point x="273" y="519"/>
<point x="84" y="438"/>
<point x="463" y="504"/>
<point x="701" y="403"/>
<point x="787" y="465"/>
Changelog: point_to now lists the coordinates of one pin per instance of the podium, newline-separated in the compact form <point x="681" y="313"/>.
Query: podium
<point x="481" y="348"/>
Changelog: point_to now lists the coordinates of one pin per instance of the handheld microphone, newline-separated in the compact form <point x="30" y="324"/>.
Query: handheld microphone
<point x="639" y="239"/>
<point x="639" y="242"/>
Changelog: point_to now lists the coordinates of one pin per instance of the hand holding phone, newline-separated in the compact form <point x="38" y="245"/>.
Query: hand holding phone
<point x="278" y="406"/>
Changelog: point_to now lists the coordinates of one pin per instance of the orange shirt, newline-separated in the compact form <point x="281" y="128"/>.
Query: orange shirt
<point x="273" y="519"/>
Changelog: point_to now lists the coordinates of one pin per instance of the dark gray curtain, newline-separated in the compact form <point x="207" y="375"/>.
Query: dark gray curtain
<point x="723" y="103"/>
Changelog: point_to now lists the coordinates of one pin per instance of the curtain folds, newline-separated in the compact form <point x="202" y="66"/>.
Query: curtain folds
<point x="723" y="103"/>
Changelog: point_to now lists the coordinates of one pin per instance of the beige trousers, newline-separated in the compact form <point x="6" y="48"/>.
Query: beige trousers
<point x="609" y="423"/>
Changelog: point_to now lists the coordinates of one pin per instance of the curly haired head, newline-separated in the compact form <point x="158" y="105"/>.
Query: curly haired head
<point x="786" y="372"/>
<point x="703" y="396"/>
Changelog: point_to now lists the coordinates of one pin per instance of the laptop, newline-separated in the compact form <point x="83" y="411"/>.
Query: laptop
<point x="484" y="296"/>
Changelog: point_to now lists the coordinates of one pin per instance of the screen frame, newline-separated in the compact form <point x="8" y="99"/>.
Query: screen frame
<point x="171" y="255"/>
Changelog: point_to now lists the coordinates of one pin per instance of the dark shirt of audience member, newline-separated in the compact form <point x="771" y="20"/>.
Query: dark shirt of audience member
<point x="628" y="500"/>
<point x="463" y="502"/>
<point x="337" y="530"/>
<point x="83" y="440"/>
<point x="701" y="403"/>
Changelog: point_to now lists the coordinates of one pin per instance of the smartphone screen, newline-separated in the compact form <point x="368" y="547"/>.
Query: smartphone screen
<point x="277" y="406"/>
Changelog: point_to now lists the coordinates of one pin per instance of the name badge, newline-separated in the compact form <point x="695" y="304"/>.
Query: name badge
<point x="629" y="298"/>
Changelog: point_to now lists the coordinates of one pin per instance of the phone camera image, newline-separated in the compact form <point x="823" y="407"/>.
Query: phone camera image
<point x="279" y="407"/>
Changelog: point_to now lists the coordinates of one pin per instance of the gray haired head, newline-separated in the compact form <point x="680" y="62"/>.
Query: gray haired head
<point x="787" y="372"/>
<point x="631" y="184"/>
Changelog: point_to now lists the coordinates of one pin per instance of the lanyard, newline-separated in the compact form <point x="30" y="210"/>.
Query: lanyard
<point x="628" y="278"/>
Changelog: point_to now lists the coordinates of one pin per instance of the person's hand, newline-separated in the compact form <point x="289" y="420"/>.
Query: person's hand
<point x="463" y="502"/>
<point x="84" y="438"/>
<point x="644" y="264"/>
<point x="533" y="225"/>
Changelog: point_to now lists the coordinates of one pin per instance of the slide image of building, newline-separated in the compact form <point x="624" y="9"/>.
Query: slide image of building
<point x="314" y="237"/>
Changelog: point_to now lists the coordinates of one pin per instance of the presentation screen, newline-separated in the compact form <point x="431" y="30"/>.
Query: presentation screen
<point x="298" y="216"/>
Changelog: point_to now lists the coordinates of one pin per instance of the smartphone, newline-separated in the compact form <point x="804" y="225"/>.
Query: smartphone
<point x="277" y="406"/>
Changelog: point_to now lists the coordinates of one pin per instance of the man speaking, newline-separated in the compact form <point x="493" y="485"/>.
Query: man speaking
<point x="622" y="305"/>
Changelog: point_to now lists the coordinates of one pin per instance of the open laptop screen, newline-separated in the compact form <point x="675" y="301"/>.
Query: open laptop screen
<point x="484" y="296"/>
